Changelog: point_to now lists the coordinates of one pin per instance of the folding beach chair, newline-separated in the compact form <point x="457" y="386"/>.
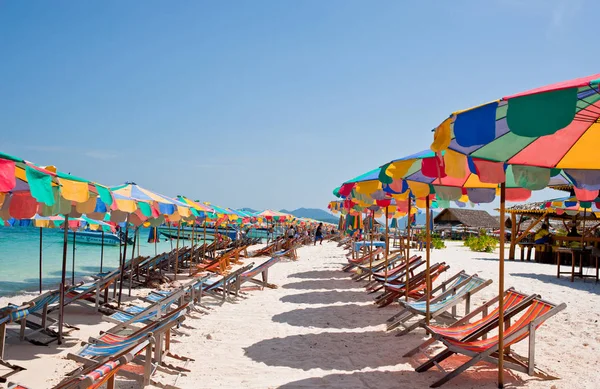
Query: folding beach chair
<point x="363" y="271"/>
<point x="223" y="288"/>
<point x="441" y="307"/>
<point x="100" y="373"/>
<point x="115" y="341"/>
<point x="263" y="270"/>
<point x="363" y="260"/>
<point x="417" y="283"/>
<point x="394" y="275"/>
<point x="525" y="326"/>
<point x="138" y="314"/>
<point x="464" y="328"/>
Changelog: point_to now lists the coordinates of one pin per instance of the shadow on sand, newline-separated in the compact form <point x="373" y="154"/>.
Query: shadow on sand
<point x="346" y="351"/>
<point x="331" y="297"/>
<point x="317" y="274"/>
<point x="323" y="284"/>
<point x="588" y="286"/>
<point x="405" y="379"/>
<point x="349" y="316"/>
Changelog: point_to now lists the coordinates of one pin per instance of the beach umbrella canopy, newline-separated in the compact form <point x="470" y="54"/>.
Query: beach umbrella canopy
<point x="571" y="205"/>
<point x="538" y="131"/>
<point x="27" y="189"/>
<point x="151" y="203"/>
<point x="427" y="171"/>
<point x="197" y="208"/>
<point x="269" y="214"/>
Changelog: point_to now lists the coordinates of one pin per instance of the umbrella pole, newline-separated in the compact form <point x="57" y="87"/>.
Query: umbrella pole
<point x="61" y="308"/>
<point x="177" y="252"/>
<point x="135" y="240"/>
<point x="427" y="259"/>
<point x="102" y="252"/>
<point x="387" y="242"/>
<point x="170" y="236"/>
<point x="371" y="246"/>
<point x="407" y="248"/>
<point x="583" y="227"/>
<point x="204" y="242"/>
<point x="40" y="260"/>
<point x="155" y="243"/>
<point x="123" y="263"/>
<point x="193" y="245"/>
<point x="73" y="268"/>
<point x="501" y="290"/>
<point x="138" y="242"/>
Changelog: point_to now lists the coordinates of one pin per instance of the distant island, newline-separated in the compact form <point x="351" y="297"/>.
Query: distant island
<point x="314" y="213"/>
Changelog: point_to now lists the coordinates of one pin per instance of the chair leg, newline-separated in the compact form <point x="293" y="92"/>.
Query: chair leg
<point x="110" y="384"/>
<point x="456" y="372"/>
<point x="2" y="339"/>
<point x="445" y="354"/>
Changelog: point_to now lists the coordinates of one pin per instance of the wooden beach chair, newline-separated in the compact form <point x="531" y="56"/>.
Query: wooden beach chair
<point x="486" y="349"/>
<point x="104" y="373"/>
<point x="363" y="271"/>
<point x="223" y="288"/>
<point x="263" y="270"/>
<point x="416" y="285"/>
<point x="465" y="328"/>
<point x="441" y="307"/>
<point x="113" y="342"/>
<point x="362" y="260"/>
<point x="396" y="275"/>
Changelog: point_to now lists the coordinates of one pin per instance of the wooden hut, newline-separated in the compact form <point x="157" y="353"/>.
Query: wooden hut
<point x="469" y="218"/>
<point x="525" y="220"/>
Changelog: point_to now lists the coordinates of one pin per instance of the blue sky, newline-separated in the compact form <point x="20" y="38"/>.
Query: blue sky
<point x="265" y="104"/>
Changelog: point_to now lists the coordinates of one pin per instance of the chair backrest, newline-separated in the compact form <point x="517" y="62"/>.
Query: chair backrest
<point x="262" y="267"/>
<point x="539" y="311"/>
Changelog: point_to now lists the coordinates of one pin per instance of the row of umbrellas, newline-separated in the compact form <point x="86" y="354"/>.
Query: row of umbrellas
<point x="508" y="147"/>
<point x="50" y="197"/>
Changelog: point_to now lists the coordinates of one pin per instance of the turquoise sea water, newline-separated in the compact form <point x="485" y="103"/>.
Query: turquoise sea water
<point x="20" y="253"/>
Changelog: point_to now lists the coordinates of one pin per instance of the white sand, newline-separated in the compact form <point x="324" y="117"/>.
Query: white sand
<point x="321" y="330"/>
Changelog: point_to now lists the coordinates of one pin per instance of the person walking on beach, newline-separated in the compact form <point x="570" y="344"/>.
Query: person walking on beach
<point x="319" y="234"/>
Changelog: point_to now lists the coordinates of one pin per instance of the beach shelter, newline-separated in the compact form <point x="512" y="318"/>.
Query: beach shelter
<point x="536" y="133"/>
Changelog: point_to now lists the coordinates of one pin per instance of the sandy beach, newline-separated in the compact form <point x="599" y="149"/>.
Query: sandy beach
<point x="320" y="329"/>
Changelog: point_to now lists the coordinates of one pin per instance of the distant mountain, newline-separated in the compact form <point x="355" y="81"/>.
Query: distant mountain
<point x="314" y="213"/>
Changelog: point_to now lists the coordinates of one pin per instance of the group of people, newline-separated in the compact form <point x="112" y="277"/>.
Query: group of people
<point x="543" y="235"/>
<point x="318" y="233"/>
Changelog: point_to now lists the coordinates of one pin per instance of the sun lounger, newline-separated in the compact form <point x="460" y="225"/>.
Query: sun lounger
<point x="263" y="270"/>
<point x="441" y="307"/>
<point x="100" y="373"/>
<point x="109" y="344"/>
<point x="363" y="271"/>
<point x="223" y="288"/>
<point x="416" y="285"/>
<point x="523" y="327"/>
<point x="365" y="259"/>
<point x="138" y="314"/>
<point x="466" y="327"/>
<point x="395" y="275"/>
<point x="268" y="249"/>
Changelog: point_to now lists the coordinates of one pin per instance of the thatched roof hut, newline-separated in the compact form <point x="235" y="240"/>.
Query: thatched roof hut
<point x="471" y="218"/>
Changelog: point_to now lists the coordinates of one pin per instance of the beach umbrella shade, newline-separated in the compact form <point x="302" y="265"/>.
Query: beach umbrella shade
<point x="536" y="132"/>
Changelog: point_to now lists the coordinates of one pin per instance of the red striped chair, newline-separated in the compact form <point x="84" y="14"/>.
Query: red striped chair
<point x="480" y="348"/>
<point x="465" y="329"/>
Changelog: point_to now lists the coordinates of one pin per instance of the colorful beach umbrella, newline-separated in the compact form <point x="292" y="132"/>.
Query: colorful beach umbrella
<point x="538" y="131"/>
